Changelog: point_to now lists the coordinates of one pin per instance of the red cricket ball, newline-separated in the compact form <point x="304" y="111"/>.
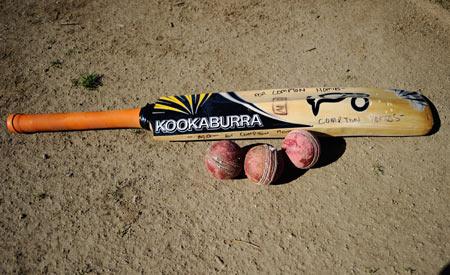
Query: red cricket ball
<point x="223" y="160"/>
<point x="263" y="164"/>
<point x="302" y="148"/>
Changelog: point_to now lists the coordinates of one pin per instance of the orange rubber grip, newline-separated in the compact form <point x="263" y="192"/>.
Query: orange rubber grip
<point x="25" y="123"/>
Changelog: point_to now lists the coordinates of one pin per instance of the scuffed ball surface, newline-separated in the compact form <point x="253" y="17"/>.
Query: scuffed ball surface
<point x="302" y="148"/>
<point x="263" y="164"/>
<point x="223" y="160"/>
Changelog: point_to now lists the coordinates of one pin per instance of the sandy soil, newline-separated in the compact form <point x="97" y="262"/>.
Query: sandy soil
<point x="118" y="202"/>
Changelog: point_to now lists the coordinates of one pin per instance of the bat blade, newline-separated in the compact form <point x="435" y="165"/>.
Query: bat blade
<point x="273" y="113"/>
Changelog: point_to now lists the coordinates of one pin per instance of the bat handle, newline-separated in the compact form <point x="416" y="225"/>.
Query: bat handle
<point x="31" y="123"/>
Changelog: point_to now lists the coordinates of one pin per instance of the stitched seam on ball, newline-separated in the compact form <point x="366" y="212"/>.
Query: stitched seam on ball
<point x="221" y="164"/>
<point x="269" y="166"/>
<point x="275" y="166"/>
<point x="263" y="178"/>
<point x="216" y="160"/>
<point x="316" y="151"/>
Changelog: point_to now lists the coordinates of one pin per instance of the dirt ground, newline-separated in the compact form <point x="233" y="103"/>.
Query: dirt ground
<point x="117" y="202"/>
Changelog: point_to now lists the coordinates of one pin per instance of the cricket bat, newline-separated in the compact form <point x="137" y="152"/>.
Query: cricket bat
<point x="254" y="114"/>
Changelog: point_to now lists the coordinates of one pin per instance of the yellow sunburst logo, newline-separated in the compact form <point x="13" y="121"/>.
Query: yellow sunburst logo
<point x="186" y="104"/>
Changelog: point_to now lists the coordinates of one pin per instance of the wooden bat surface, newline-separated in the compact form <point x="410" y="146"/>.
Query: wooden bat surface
<point x="256" y="114"/>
